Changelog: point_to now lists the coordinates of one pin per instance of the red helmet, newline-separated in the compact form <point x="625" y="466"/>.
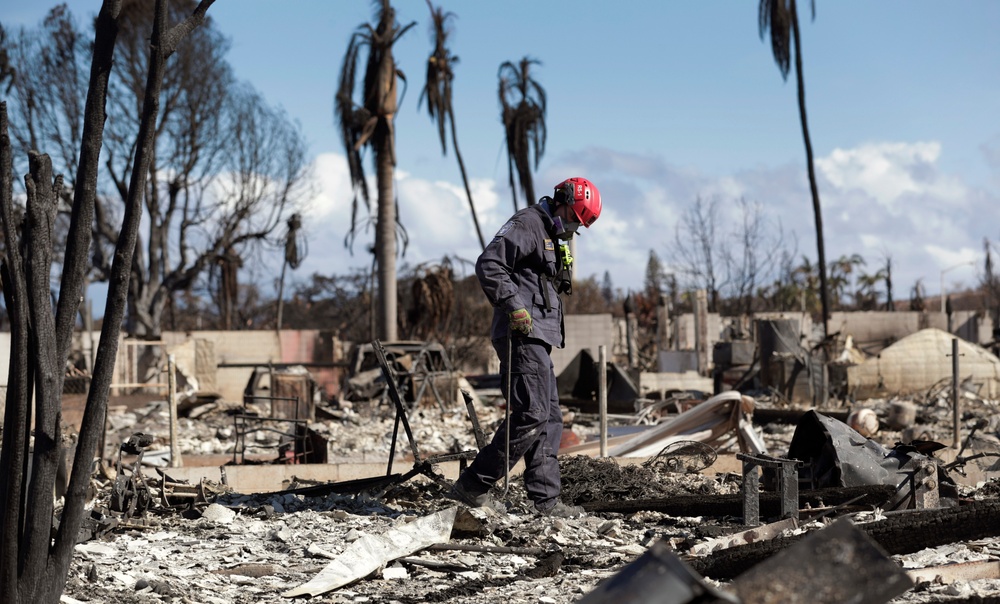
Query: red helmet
<point x="582" y="196"/>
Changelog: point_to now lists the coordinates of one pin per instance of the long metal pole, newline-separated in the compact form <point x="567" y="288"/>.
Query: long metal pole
<point x="956" y="406"/>
<point x="175" y="447"/>
<point x="602" y="395"/>
<point x="506" y="416"/>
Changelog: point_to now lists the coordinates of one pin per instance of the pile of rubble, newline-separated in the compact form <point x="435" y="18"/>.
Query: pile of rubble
<point x="405" y="542"/>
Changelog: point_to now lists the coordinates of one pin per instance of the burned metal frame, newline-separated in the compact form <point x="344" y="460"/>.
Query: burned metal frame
<point x="420" y="466"/>
<point x="130" y="493"/>
<point x="788" y="481"/>
<point x="245" y="423"/>
<point x="422" y="369"/>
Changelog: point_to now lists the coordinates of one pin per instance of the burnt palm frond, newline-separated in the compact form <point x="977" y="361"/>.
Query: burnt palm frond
<point x="370" y="122"/>
<point x="522" y="111"/>
<point x="777" y="16"/>
<point x="437" y="91"/>
<point x="351" y="118"/>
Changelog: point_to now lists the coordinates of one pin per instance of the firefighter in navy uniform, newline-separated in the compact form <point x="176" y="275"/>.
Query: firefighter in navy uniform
<point x="522" y="272"/>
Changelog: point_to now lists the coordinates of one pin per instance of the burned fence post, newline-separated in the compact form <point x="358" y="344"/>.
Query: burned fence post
<point x="175" y="447"/>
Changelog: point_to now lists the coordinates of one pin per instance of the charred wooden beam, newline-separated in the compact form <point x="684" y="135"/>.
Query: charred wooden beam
<point x="732" y="505"/>
<point x="899" y="533"/>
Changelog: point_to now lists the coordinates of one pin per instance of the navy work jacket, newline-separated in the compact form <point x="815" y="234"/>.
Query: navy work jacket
<point x="516" y="270"/>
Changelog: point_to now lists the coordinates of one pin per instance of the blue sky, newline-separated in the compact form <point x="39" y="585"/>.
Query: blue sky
<point x="659" y="103"/>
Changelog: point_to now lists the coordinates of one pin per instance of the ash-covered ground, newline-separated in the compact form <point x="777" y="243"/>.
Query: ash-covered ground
<point x="252" y="548"/>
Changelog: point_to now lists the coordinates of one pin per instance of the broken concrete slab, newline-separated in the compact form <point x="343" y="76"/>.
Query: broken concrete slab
<point x="962" y="571"/>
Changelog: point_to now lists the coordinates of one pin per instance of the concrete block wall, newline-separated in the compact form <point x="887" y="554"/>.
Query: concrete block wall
<point x="584" y="332"/>
<point x="657" y="385"/>
<point x="873" y="330"/>
<point x="685" y="333"/>
<point x="718" y="325"/>
<point x="234" y="347"/>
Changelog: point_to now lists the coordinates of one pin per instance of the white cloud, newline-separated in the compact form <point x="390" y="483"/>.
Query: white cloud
<point x="889" y="171"/>
<point x="888" y="199"/>
<point x="333" y="186"/>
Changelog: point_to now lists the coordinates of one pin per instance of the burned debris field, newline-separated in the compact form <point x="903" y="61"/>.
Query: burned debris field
<point x="258" y="351"/>
<point x="859" y="515"/>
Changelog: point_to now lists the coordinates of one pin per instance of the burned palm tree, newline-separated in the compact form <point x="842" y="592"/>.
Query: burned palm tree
<point x="370" y="124"/>
<point x="522" y="110"/>
<point x="781" y="18"/>
<point x="437" y="91"/>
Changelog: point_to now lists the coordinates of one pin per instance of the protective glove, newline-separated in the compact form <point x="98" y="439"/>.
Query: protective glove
<point x="520" y="320"/>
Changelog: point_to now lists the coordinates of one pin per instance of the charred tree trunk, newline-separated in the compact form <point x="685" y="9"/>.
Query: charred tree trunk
<point x="385" y="236"/>
<point x="42" y="342"/>
<point x="33" y="565"/>
<point x="465" y="178"/>
<point x="17" y="419"/>
<point x="39" y="217"/>
<point x="813" y="188"/>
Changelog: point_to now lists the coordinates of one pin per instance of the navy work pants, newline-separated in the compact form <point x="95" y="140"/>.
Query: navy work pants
<point x="535" y="425"/>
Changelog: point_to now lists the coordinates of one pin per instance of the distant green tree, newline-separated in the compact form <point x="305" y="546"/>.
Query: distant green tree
<point x="588" y="298"/>
<point x="842" y="272"/>
<point x="867" y="295"/>
<point x="655" y="279"/>
<point x="522" y="111"/>
<point x="805" y="278"/>
<point x="990" y="285"/>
